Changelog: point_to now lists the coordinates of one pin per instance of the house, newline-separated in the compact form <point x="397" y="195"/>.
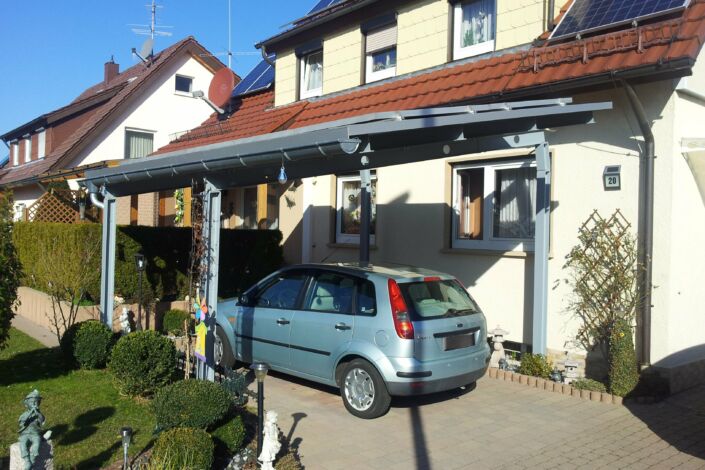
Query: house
<point x="473" y="215"/>
<point x="128" y="114"/>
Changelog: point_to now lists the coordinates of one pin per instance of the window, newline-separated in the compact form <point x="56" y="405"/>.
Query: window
<point x="282" y="292"/>
<point x="437" y="299"/>
<point x="381" y="50"/>
<point x="183" y="84"/>
<point x="331" y="292"/>
<point x="41" y="144"/>
<point x="15" y="153"/>
<point x="138" y="144"/>
<point x="494" y="206"/>
<point x="473" y="28"/>
<point x="28" y="149"/>
<point x="311" y="74"/>
<point x="249" y="208"/>
<point x="366" y="299"/>
<point x="348" y="210"/>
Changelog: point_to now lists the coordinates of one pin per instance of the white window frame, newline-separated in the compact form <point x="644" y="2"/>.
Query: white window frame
<point x="137" y="131"/>
<point x="15" y="153"/>
<point x="41" y="144"/>
<point x="371" y="75"/>
<point x="303" y="92"/>
<point x="476" y="49"/>
<point x="183" y="93"/>
<point x="28" y="149"/>
<point x="341" y="237"/>
<point x="488" y="241"/>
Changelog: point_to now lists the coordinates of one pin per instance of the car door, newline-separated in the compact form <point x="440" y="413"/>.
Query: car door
<point x="263" y="332"/>
<point x="323" y="328"/>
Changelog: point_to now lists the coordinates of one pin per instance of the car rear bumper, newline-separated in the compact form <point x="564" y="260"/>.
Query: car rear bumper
<point x="439" y="377"/>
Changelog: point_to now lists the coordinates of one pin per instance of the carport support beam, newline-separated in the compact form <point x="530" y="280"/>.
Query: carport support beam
<point x="365" y="215"/>
<point x="543" y="203"/>
<point x="107" y="264"/>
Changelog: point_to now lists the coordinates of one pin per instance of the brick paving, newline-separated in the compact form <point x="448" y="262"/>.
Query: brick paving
<point x="497" y="425"/>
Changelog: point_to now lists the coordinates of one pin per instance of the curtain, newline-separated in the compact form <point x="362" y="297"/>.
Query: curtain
<point x="138" y="144"/>
<point x="478" y="25"/>
<point x="515" y="203"/>
<point x="314" y="71"/>
<point x="350" y="207"/>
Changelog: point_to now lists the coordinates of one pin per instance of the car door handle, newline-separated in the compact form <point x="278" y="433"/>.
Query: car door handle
<point x="283" y="321"/>
<point x="341" y="326"/>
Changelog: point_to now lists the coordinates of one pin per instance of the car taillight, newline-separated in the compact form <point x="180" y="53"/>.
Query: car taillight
<point x="400" y="314"/>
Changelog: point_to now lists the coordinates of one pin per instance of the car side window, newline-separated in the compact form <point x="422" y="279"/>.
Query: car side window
<point x="282" y="293"/>
<point x="366" y="299"/>
<point x="331" y="292"/>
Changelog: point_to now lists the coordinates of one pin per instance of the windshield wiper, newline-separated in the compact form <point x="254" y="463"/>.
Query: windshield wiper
<point x="451" y="312"/>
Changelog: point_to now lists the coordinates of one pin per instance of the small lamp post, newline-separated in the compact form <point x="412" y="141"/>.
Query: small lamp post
<point x="261" y="370"/>
<point x="140" y="264"/>
<point x="126" y="434"/>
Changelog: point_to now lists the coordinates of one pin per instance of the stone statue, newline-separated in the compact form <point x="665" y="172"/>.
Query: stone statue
<point x="30" y="428"/>
<point x="270" y="444"/>
<point x="498" y="354"/>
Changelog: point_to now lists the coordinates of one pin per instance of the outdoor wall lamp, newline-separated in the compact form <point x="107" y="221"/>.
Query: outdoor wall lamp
<point x="261" y="370"/>
<point x="282" y="178"/>
<point x="141" y="265"/>
<point x="82" y="206"/>
<point x="126" y="434"/>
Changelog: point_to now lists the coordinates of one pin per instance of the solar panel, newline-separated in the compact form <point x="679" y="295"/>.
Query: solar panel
<point x="585" y="16"/>
<point x="260" y="78"/>
<point x="323" y="4"/>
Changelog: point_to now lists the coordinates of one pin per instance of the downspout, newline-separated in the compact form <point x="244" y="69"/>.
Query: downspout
<point x="263" y="51"/>
<point x="549" y="16"/>
<point x="647" y="234"/>
<point x="95" y="201"/>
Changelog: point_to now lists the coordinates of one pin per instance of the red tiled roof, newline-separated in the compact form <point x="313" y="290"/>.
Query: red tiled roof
<point x="128" y="83"/>
<point x="489" y="79"/>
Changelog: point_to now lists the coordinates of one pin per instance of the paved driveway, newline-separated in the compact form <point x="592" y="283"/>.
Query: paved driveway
<point x="497" y="425"/>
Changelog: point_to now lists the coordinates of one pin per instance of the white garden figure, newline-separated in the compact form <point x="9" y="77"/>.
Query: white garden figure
<point x="125" y="320"/>
<point x="498" y="335"/>
<point x="270" y="444"/>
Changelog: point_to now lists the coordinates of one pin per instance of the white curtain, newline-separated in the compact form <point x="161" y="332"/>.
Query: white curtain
<point x="515" y="203"/>
<point x="478" y="25"/>
<point x="314" y="71"/>
<point x="138" y="144"/>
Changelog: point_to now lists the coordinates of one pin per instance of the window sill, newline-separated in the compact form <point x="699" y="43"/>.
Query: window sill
<point x="355" y="246"/>
<point x="495" y="253"/>
<point x="186" y="94"/>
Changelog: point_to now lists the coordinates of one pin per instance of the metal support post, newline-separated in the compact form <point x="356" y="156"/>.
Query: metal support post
<point x="542" y="231"/>
<point x="107" y="268"/>
<point x="260" y="415"/>
<point x="365" y="215"/>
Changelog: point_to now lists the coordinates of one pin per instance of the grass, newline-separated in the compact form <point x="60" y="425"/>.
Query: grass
<point x="82" y="408"/>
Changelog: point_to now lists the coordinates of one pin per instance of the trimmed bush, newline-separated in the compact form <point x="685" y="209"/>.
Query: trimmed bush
<point x="91" y="347"/>
<point x="589" y="384"/>
<point x="173" y="322"/>
<point x="142" y="362"/>
<point x="229" y="436"/>
<point x="623" y="373"/>
<point x="67" y="342"/>
<point x="190" y="403"/>
<point x="183" y="449"/>
<point x="10" y="268"/>
<point x="535" y="365"/>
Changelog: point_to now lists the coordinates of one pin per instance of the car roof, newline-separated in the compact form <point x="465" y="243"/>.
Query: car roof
<point x="397" y="272"/>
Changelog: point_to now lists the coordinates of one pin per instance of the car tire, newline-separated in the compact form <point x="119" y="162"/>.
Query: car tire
<point x="363" y="391"/>
<point x="222" y="351"/>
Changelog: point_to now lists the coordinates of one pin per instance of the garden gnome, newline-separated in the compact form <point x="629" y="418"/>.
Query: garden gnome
<point x="270" y="444"/>
<point x="31" y="422"/>
<point x="498" y="335"/>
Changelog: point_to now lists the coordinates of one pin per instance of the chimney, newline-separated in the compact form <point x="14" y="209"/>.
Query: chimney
<point x="112" y="70"/>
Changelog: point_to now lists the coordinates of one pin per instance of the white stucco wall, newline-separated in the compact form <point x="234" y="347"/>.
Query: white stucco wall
<point x="25" y="195"/>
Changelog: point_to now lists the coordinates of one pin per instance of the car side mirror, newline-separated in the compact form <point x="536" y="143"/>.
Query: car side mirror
<point x="244" y="300"/>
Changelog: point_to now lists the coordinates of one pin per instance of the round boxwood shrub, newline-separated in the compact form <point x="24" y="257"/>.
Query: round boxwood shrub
<point x="535" y="365"/>
<point x="190" y="403"/>
<point x="67" y="342"/>
<point x="183" y="449"/>
<point x="173" y="322"/>
<point x="91" y="346"/>
<point x="142" y="362"/>
<point x="229" y="435"/>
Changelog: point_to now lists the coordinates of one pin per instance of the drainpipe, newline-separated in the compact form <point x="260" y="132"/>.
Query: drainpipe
<point x="648" y="225"/>
<point x="94" y="199"/>
<point x="549" y="16"/>
<point x="263" y="51"/>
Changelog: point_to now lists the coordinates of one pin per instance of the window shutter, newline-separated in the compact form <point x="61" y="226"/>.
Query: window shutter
<point x="383" y="38"/>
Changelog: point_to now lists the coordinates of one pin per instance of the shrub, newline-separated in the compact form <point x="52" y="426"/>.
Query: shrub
<point x="229" y="436"/>
<point x="235" y="383"/>
<point x="190" y="403"/>
<point x="183" y="449"/>
<point x="623" y="373"/>
<point x="10" y="268"/>
<point x="142" y="362"/>
<point x="589" y="384"/>
<point x="91" y="347"/>
<point x="173" y="321"/>
<point x="535" y="365"/>
<point x="66" y="344"/>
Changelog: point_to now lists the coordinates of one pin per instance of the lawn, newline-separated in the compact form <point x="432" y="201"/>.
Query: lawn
<point x="82" y="408"/>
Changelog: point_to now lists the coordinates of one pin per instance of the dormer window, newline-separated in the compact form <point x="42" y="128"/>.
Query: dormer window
<point x="311" y="78"/>
<point x="381" y="51"/>
<point x="28" y="149"/>
<point x="473" y="28"/>
<point x="183" y="84"/>
<point x="15" y="154"/>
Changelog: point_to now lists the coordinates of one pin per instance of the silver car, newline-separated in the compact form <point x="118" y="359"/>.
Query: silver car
<point x="374" y="332"/>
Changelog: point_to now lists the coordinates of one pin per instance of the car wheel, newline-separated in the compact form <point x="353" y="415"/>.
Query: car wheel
<point x="222" y="352"/>
<point x="364" y="393"/>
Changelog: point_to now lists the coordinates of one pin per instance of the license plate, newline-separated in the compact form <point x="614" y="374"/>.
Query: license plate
<point x="458" y="341"/>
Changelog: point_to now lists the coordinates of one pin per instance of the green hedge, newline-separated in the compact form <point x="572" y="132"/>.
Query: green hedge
<point x="245" y="256"/>
<point x="183" y="449"/>
<point x="190" y="403"/>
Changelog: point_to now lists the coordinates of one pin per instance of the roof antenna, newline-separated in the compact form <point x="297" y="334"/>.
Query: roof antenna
<point x="151" y="30"/>
<point x="229" y="52"/>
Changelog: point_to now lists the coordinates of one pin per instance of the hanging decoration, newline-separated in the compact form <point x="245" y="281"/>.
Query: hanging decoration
<point x="201" y="308"/>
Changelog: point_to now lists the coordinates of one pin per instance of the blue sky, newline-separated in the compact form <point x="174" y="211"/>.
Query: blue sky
<point x="52" y="50"/>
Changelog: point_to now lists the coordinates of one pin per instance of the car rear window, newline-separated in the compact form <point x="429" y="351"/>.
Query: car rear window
<point x="437" y="299"/>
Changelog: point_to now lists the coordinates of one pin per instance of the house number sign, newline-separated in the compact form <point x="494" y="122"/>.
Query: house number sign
<point x="611" y="178"/>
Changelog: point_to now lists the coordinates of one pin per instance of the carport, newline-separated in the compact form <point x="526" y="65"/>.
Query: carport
<point x="356" y="144"/>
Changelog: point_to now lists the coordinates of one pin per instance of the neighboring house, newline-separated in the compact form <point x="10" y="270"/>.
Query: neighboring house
<point x="473" y="216"/>
<point x="127" y="115"/>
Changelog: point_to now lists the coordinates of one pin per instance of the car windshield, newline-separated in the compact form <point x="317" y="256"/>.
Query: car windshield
<point x="437" y="299"/>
